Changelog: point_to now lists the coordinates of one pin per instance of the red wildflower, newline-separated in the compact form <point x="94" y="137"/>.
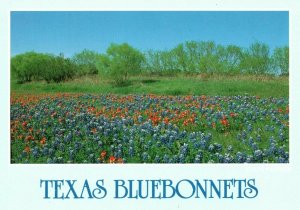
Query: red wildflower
<point x="225" y="122"/>
<point x="213" y="124"/>
<point x="28" y="138"/>
<point x="94" y="130"/>
<point x="43" y="141"/>
<point x="120" y="160"/>
<point x="185" y="123"/>
<point x="112" y="159"/>
<point x="233" y="114"/>
<point x="103" y="154"/>
<point x="166" y="120"/>
<point x="27" y="149"/>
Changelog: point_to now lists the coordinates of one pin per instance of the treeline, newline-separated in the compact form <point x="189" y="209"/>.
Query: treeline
<point x="207" y="57"/>
<point x="122" y="60"/>
<point x="39" y="66"/>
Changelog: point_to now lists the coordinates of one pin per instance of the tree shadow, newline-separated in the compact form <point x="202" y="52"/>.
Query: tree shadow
<point x="149" y="81"/>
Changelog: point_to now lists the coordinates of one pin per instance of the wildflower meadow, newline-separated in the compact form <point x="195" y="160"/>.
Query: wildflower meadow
<point x="86" y="128"/>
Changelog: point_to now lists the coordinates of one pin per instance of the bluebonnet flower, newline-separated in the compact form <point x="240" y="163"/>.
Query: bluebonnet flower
<point x="140" y="119"/>
<point x="49" y="161"/>
<point x="281" y="136"/>
<point x="91" y="158"/>
<point x="280" y="160"/>
<point x="156" y="159"/>
<point x="239" y="137"/>
<point x="112" y="148"/>
<point x="131" y="151"/>
<point x="244" y="134"/>
<point x="100" y="143"/>
<point x="258" y="138"/>
<point x="254" y="146"/>
<point x="218" y="147"/>
<point x="220" y="157"/>
<point x="229" y="148"/>
<point x="184" y="149"/>
<point x="175" y="159"/>
<point x="45" y="151"/>
<point x="240" y="157"/>
<point x="35" y="153"/>
<point x="258" y="155"/>
<point x="227" y="158"/>
<point x="119" y="153"/>
<point x="249" y="159"/>
<point x="211" y="148"/>
<point x="62" y="147"/>
<point x="250" y="127"/>
<point x="181" y="158"/>
<point x="251" y="140"/>
<point x="166" y="158"/>
<point x="272" y="139"/>
<point x="145" y="157"/>
<point x="208" y="137"/>
<point x="197" y="159"/>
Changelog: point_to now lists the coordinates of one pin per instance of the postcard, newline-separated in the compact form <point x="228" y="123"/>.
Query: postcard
<point x="137" y="105"/>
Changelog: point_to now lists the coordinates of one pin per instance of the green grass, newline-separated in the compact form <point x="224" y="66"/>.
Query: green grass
<point x="221" y="85"/>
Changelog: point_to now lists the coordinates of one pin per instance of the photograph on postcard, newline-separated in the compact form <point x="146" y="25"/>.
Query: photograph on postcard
<point x="149" y="87"/>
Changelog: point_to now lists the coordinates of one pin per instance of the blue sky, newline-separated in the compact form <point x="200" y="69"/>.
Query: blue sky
<point x="71" y="32"/>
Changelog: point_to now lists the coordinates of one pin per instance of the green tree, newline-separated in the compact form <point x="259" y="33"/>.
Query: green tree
<point x="193" y="56"/>
<point x="58" y="69"/>
<point x="28" y="66"/>
<point x="230" y="59"/>
<point x="280" y="61"/>
<point x="256" y="59"/>
<point x="152" y="64"/>
<point x="87" y="61"/>
<point x="180" y="58"/>
<point x="123" y="61"/>
<point x="209" y="60"/>
<point x="37" y="66"/>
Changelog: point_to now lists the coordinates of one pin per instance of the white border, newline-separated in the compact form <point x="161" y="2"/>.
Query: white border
<point x="277" y="183"/>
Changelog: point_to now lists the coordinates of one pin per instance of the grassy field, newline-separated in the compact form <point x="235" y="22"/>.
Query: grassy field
<point x="236" y="127"/>
<point x="217" y="85"/>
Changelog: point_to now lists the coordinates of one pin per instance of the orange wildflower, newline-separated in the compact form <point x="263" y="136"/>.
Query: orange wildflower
<point x="213" y="124"/>
<point x="103" y="154"/>
<point x="43" y="141"/>
<point x="233" y="114"/>
<point x="120" y="160"/>
<point x="112" y="159"/>
<point x="185" y="123"/>
<point x="166" y="120"/>
<point x="225" y="122"/>
<point x="28" y="138"/>
<point x="27" y="149"/>
<point x="94" y="130"/>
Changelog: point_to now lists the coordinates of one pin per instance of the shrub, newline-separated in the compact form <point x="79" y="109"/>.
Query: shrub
<point x="280" y="61"/>
<point x="122" y="61"/>
<point x="87" y="62"/>
<point x="26" y="67"/>
<point x="35" y="66"/>
<point x="58" y="69"/>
